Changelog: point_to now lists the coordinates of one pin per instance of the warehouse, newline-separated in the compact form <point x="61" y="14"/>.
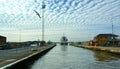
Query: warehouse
<point x="2" y="40"/>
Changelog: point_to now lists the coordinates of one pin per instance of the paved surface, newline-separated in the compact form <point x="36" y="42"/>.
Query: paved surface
<point x="11" y="55"/>
<point x="107" y="49"/>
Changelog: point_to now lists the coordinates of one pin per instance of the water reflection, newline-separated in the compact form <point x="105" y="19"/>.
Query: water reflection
<point x="69" y="57"/>
<point x="105" y="56"/>
<point x="63" y="47"/>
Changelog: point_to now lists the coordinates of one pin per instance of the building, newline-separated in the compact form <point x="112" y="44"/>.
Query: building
<point x="2" y="40"/>
<point x="106" y="39"/>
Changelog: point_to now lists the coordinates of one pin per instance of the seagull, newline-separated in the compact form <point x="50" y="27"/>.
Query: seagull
<point x="37" y="14"/>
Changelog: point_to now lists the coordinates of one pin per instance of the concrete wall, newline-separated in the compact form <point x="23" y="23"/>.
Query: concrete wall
<point x="26" y="62"/>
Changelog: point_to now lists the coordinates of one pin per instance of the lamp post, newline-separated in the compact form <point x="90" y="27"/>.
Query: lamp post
<point x="42" y="43"/>
<point x="19" y="35"/>
<point x="112" y="36"/>
<point x="112" y="29"/>
<point x="43" y="7"/>
<point x="113" y="39"/>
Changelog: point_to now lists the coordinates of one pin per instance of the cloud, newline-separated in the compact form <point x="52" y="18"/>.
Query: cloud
<point x="69" y="16"/>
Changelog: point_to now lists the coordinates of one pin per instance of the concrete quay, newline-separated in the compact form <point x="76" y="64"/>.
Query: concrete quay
<point x="114" y="50"/>
<point x="14" y="56"/>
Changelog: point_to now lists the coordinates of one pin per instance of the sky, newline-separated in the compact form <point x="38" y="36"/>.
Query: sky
<point x="79" y="20"/>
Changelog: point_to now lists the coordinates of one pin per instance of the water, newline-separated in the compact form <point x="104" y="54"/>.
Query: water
<point x="69" y="57"/>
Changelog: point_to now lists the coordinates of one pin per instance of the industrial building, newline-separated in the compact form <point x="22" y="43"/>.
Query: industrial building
<point x="2" y="40"/>
<point x="107" y="39"/>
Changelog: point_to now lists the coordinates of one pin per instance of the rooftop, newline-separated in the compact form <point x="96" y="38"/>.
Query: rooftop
<point x="2" y="36"/>
<point x="105" y="35"/>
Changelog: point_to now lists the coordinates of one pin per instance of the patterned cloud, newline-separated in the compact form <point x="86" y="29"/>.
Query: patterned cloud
<point x="79" y="19"/>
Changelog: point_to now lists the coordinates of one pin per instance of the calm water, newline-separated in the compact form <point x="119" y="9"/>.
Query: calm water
<point x="69" y="57"/>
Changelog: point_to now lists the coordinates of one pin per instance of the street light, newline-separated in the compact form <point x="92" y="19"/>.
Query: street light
<point x="113" y="39"/>
<point x="112" y="28"/>
<point x="42" y="43"/>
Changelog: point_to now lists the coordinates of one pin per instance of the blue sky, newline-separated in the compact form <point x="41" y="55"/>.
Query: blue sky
<point x="79" y="20"/>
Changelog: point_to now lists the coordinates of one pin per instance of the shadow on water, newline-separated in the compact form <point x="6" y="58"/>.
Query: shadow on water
<point x="105" y="56"/>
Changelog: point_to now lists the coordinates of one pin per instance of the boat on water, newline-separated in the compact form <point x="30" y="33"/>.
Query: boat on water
<point x="64" y="40"/>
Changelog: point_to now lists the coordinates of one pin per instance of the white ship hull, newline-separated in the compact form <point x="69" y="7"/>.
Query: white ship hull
<point x="64" y="41"/>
